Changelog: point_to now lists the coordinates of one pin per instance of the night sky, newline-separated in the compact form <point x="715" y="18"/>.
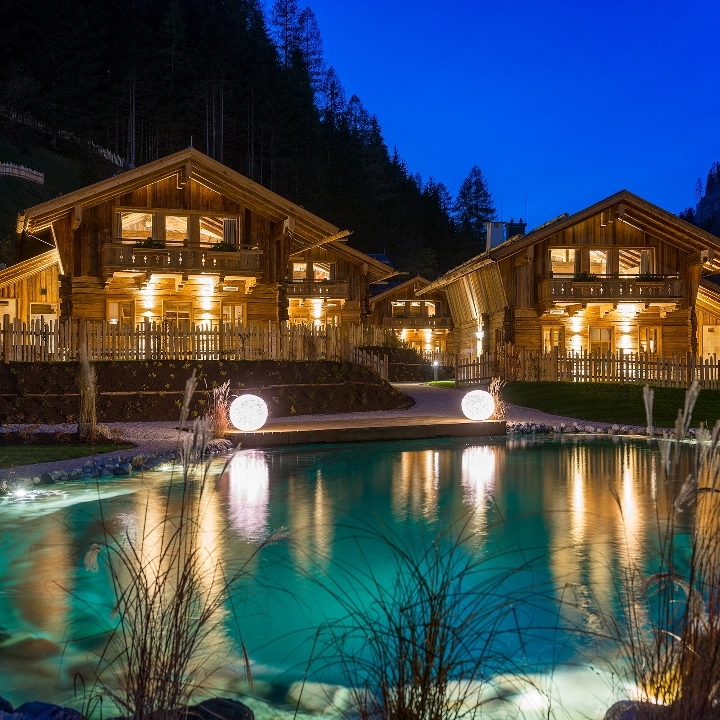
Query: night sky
<point x="562" y="102"/>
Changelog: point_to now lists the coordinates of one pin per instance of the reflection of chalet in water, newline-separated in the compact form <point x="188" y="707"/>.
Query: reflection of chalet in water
<point x="424" y="323"/>
<point x="620" y="275"/>
<point x="184" y="239"/>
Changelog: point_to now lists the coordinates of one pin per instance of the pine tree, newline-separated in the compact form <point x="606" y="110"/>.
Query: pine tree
<point x="473" y="208"/>
<point x="285" y="24"/>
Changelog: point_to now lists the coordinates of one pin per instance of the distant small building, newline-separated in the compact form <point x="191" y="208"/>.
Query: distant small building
<point x="424" y="323"/>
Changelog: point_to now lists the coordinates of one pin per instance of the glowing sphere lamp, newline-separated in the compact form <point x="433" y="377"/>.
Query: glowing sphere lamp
<point x="248" y="413"/>
<point x="478" y="405"/>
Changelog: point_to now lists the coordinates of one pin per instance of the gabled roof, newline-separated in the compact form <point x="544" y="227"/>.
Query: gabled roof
<point x="630" y="208"/>
<point x="192" y="164"/>
<point x="28" y="268"/>
<point x="400" y="286"/>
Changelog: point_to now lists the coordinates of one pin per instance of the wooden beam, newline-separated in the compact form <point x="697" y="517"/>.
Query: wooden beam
<point x="339" y="236"/>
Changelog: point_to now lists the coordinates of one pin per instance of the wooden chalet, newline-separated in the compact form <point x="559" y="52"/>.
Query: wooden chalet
<point x="622" y="275"/>
<point x="423" y="323"/>
<point x="184" y="239"/>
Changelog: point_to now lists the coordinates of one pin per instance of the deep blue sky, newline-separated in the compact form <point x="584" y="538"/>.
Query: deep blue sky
<point x="567" y="102"/>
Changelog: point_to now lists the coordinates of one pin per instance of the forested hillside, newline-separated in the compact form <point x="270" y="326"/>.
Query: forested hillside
<point x="250" y="88"/>
<point x="706" y="213"/>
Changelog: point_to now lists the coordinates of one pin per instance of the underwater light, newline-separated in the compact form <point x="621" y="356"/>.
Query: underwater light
<point x="248" y="413"/>
<point x="478" y="405"/>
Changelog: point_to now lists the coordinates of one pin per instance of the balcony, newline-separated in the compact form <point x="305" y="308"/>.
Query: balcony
<point x="602" y="288"/>
<point x="123" y="257"/>
<point x="318" y="288"/>
<point x="402" y="323"/>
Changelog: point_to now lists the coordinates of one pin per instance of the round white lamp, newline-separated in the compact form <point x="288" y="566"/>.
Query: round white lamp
<point x="248" y="413"/>
<point x="478" y="405"/>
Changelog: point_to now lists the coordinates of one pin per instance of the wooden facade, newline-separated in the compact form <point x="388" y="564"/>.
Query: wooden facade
<point x="423" y="323"/>
<point x="621" y="275"/>
<point x="184" y="239"/>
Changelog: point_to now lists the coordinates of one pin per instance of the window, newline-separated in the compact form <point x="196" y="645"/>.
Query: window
<point x="635" y="261"/>
<point x="562" y="261"/>
<point x="553" y="337"/>
<point x="429" y="309"/>
<point x="323" y="271"/>
<point x="121" y="313"/>
<point x="598" y="262"/>
<point x="414" y="309"/>
<point x="649" y="340"/>
<point x="233" y="314"/>
<point x="299" y="271"/>
<point x="600" y="340"/>
<point x="211" y="230"/>
<point x="230" y="231"/>
<point x="176" y="228"/>
<point x="178" y="312"/>
<point x="134" y="225"/>
<point x="398" y="309"/>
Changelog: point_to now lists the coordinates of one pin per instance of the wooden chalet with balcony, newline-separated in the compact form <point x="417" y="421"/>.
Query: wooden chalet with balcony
<point x="423" y="323"/>
<point x="184" y="239"/>
<point x="622" y="275"/>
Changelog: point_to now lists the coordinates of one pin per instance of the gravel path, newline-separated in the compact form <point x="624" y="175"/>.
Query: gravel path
<point x="156" y="437"/>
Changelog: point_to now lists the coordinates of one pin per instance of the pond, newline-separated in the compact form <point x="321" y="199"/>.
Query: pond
<point x="575" y="514"/>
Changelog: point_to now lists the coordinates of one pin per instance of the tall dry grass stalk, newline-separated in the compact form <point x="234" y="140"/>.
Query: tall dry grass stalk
<point x="422" y="643"/>
<point x="495" y="389"/>
<point x="171" y="594"/>
<point x="87" y="387"/>
<point x="669" y="624"/>
<point x="220" y="409"/>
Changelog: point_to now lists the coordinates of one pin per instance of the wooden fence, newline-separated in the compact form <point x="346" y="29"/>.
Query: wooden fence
<point x="22" y="172"/>
<point x="511" y="363"/>
<point x="60" y="340"/>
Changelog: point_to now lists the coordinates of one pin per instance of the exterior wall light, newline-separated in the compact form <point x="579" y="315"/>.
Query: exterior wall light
<point x="478" y="405"/>
<point x="248" y="413"/>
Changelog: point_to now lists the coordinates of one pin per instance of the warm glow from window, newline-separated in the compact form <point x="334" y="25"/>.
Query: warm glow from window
<point x="562" y="261"/>
<point x="598" y="262"/>
<point x="176" y="228"/>
<point x="135" y="225"/>
<point x="299" y="271"/>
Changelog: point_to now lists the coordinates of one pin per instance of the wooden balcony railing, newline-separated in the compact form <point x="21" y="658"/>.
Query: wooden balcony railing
<point x="418" y="322"/>
<point x="181" y="259"/>
<point x="611" y="289"/>
<point x="308" y="288"/>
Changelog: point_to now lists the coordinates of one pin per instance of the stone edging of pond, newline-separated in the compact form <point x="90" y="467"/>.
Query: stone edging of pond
<point x="537" y="428"/>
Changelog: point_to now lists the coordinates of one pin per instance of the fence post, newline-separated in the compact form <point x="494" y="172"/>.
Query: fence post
<point x="457" y="366"/>
<point x="7" y="344"/>
<point x="690" y="369"/>
<point x="554" y="364"/>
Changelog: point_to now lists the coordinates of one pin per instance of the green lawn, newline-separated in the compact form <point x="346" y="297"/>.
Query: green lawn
<point x="608" y="402"/>
<point x="11" y="455"/>
<point x="442" y="383"/>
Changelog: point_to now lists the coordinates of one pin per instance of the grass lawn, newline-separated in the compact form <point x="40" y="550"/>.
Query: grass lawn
<point x="442" y="383"/>
<point x="608" y="402"/>
<point x="11" y="455"/>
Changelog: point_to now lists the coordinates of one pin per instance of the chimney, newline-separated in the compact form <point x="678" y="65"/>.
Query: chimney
<point x="495" y="234"/>
<point x="515" y="228"/>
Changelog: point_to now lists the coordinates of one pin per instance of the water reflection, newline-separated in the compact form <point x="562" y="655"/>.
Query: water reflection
<point x="249" y="494"/>
<point x="415" y="484"/>
<point x="478" y="480"/>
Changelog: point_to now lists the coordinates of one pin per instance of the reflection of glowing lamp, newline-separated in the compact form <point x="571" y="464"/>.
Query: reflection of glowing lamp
<point x="478" y="405"/>
<point x="248" y="413"/>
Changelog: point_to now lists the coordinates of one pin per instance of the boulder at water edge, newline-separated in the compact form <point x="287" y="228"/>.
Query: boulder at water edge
<point x="41" y="711"/>
<point x="220" y="709"/>
<point x="632" y="710"/>
<point x="5" y="706"/>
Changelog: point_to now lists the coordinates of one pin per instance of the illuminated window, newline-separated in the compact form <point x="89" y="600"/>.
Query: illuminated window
<point x="323" y="271"/>
<point x="121" y="313"/>
<point x="212" y="230"/>
<point x="598" y="262"/>
<point x="398" y="309"/>
<point x="649" y="340"/>
<point x="553" y="337"/>
<point x="634" y="261"/>
<point x="299" y="271"/>
<point x="134" y="225"/>
<point x="414" y="309"/>
<point x="176" y="228"/>
<point x="600" y="340"/>
<point x="429" y="309"/>
<point x="562" y="261"/>
<point x="233" y="314"/>
<point x="178" y="312"/>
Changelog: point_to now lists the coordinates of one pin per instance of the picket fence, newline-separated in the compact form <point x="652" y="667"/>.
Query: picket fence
<point x="21" y="171"/>
<point x="510" y="363"/>
<point x="61" y="340"/>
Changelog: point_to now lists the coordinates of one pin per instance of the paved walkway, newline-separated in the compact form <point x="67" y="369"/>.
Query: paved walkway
<point x="153" y="437"/>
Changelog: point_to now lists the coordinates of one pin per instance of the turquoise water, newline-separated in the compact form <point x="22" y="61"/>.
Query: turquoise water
<point x="576" y="514"/>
